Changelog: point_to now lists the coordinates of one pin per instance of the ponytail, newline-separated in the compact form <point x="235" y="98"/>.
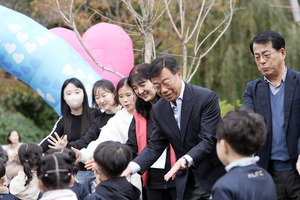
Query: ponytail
<point x="29" y="155"/>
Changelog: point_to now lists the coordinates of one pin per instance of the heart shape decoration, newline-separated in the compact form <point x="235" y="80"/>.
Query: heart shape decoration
<point x="109" y="44"/>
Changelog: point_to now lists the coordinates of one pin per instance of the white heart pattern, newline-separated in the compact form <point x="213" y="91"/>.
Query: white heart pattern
<point x="91" y="79"/>
<point x="50" y="98"/>
<point x="80" y="74"/>
<point x="68" y="70"/>
<point x="30" y="47"/>
<point x="39" y="91"/>
<point x="10" y="48"/>
<point x="88" y="89"/>
<point x="22" y="37"/>
<point x="14" y="28"/>
<point x="41" y="40"/>
<point x="18" y="58"/>
<point x="49" y="36"/>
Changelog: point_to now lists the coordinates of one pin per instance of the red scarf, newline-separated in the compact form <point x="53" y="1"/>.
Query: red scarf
<point x="141" y="137"/>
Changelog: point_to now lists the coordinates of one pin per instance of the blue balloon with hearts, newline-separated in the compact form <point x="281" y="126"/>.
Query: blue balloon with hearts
<point x="40" y="58"/>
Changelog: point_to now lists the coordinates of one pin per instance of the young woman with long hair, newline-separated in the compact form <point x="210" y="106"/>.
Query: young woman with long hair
<point x="140" y="131"/>
<point x="78" y="120"/>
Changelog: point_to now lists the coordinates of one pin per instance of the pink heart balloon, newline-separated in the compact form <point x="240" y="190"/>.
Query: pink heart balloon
<point x="109" y="44"/>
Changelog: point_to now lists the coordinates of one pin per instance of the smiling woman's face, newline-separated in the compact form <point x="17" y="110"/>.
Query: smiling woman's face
<point x="145" y="90"/>
<point x="105" y="99"/>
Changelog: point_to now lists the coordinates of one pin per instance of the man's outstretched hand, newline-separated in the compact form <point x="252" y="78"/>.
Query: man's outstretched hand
<point x="127" y="172"/>
<point x="180" y="164"/>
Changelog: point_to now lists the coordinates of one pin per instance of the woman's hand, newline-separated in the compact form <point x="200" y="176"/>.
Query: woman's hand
<point x="77" y="153"/>
<point x="58" y="142"/>
<point x="89" y="165"/>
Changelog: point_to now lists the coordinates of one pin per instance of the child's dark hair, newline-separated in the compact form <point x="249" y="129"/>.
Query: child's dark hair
<point x="112" y="157"/>
<point x="2" y="169"/>
<point x="29" y="155"/>
<point x="55" y="170"/>
<point x="72" y="157"/>
<point x="244" y="130"/>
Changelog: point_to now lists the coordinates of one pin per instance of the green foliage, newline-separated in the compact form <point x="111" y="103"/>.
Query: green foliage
<point x="14" y="120"/>
<point x="225" y="106"/>
<point x="21" y="103"/>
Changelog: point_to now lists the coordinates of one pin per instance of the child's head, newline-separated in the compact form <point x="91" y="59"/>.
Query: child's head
<point x="29" y="155"/>
<point x="241" y="132"/>
<point x="126" y="96"/>
<point x="104" y="95"/>
<point x="72" y="156"/>
<point x="2" y="173"/>
<point x="54" y="171"/>
<point x="112" y="158"/>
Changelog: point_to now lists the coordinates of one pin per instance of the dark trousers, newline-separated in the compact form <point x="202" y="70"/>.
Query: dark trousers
<point x="286" y="183"/>
<point x="193" y="189"/>
<point x="162" y="194"/>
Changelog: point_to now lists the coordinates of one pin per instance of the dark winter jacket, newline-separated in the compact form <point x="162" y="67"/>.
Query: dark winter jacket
<point x="115" y="188"/>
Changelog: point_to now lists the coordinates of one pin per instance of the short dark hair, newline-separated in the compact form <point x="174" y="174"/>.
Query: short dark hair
<point x="29" y="155"/>
<point x="160" y="62"/>
<point x="7" y="138"/>
<point x="104" y="84"/>
<point x="243" y="130"/>
<point x="268" y="36"/>
<point x="112" y="157"/>
<point x="2" y="169"/>
<point x="55" y="171"/>
<point x="72" y="157"/>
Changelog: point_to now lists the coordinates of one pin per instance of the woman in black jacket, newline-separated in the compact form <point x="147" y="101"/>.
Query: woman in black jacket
<point x="155" y="185"/>
<point x="79" y="125"/>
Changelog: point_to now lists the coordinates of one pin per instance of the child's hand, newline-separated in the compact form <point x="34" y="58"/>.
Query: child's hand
<point x="97" y="182"/>
<point x="89" y="165"/>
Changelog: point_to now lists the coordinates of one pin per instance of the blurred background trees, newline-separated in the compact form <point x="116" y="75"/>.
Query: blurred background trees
<point x="226" y="69"/>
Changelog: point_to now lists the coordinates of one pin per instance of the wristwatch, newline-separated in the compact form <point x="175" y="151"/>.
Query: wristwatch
<point x="186" y="162"/>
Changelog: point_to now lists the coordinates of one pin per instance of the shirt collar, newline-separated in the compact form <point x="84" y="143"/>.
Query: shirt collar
<point x="242" y="162"/>
<point x="282" y="78"/>
<point x="181" y="94"/>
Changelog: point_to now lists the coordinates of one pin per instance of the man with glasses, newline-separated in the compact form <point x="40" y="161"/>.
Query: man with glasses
<point x="276" y="96"/>
<point x="186" y="117"/>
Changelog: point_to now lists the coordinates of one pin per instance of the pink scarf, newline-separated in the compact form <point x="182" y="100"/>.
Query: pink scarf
<point x="141" y="137"/>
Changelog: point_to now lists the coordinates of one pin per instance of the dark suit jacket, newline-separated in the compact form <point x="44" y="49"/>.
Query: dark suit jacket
<point x="200" y="115"/>
<point x="257" y="98"/>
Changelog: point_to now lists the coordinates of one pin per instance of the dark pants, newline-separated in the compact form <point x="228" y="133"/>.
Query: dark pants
<point x="162" y="194"/>
<point x="286" y="183"/>
<point x="193" y="189"/>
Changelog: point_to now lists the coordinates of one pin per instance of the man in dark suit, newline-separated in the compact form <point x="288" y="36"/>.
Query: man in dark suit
<point x="276" y="96"/>
<point x="186" y="117"/>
